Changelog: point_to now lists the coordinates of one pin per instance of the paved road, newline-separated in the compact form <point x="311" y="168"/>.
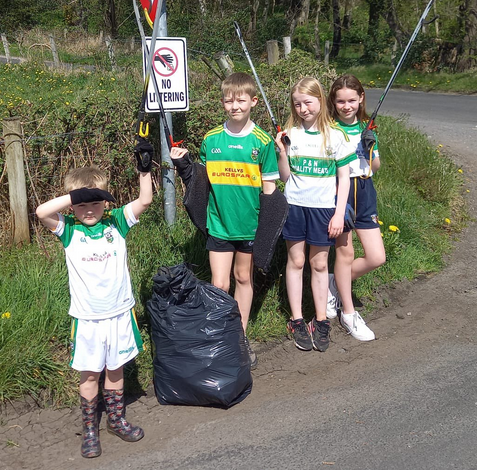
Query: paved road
<point x="446" y="119"/>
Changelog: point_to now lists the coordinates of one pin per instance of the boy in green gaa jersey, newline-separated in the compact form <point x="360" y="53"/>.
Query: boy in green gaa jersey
<point x="241" y="162"/>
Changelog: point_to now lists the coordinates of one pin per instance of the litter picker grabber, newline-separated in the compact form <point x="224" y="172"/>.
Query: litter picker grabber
<point x="150" y="8"/>
<point x="285" y="138"/>
<point x="368" y="139"/>
<point x="150" y="57"/>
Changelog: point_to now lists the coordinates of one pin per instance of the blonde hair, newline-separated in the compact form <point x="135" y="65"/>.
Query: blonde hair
<point x="311" y="86"/>
<point x="86" y="177"/>
<point x="238" y="83"/>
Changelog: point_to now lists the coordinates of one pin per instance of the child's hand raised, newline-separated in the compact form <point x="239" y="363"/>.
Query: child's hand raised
<point x="279" y="140"/>
<point x="178" y="152"/>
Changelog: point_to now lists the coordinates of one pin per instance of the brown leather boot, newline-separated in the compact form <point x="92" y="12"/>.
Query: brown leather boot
<point x="90" y="446"/>
<point x="117" y="424"/>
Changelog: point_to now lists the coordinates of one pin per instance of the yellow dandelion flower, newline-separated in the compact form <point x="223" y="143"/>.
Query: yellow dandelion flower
<point x="382" y="235"/>
<point x="447" y="221"/>
<point x="393" y="228"/>
<point x="467" y="190"/>
<point x="380" y="222"/>
<point x="440" y="145"/>
<point x="6" y="315"/>
<point x="460" y="170"/>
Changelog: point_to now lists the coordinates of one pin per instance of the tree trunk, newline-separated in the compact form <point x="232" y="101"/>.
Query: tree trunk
<point x="252" y="27"/>
<point x="303" y="12"/>
<point x="388" y="12"/>
<point x="370" y="54"/>
<point x="348" y="7"/>
<point x="468" y="55"/>
<point x="335" y="49"/>
<point x="316" y="31"/>
<point x="111" y="19"/>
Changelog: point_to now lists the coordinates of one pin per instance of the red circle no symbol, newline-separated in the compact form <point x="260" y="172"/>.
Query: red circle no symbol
<point x="165" y="62"/>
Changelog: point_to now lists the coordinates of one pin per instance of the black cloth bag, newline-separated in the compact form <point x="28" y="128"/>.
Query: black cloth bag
<point x="200" y="353"/>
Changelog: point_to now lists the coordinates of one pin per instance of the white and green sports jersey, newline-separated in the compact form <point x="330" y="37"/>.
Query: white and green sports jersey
<point x="236" y="164"/>
<point x="312" y="181"/>
<point x="360" y="166"/>
<point x="96" y="258"/>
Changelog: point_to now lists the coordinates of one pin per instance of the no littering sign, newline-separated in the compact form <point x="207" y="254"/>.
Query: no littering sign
<point x="169" y="67"/>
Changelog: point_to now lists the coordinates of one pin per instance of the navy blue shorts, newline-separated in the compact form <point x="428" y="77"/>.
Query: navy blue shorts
<point x="362" y="197"/>
<point x="223" y="246"/>
<point x="309" y="224"/>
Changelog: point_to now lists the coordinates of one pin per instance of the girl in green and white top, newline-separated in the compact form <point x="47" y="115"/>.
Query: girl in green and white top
<point x="346" y="101"/>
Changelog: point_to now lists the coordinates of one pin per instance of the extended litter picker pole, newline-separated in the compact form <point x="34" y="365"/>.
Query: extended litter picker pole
<point x="142" y="108"/>
<point x="286" y="139"/>
<point x="399" y="65"/>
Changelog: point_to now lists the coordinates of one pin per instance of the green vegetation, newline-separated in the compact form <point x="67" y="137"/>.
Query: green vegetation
<point x="73" y="119"/>
<point x="377" y="76"/>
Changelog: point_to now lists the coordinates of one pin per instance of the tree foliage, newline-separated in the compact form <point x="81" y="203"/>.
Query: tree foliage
<point x="371" y="27"/>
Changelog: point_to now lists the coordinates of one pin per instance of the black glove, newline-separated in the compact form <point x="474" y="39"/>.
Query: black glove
<point x="350" y="217"/>
<point x="144" y="153"/>
<point x="368" y="139"/>
<point x="90" y="195"/>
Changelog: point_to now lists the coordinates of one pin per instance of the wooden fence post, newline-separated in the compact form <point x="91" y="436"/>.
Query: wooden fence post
<point x="112" y="59"/>
<point x="56" y="59"/>
<point x="225" y="66"/>
<point x="272" y="51"/>
<point x="5" y="46"/>
<point x="327" y="53"/>
<point x="286" y="46"/>
<point x="12" y="134"/>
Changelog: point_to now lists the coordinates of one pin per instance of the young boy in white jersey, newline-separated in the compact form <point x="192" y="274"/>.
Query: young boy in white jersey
<point x="104" y="332"/>
<point x="240" y="161"/>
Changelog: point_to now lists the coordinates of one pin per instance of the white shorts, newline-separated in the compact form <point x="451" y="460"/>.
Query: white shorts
<point x="96" y="344"/>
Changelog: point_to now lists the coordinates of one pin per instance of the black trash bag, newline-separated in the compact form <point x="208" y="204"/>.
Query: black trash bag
<point x="200" y="353"/>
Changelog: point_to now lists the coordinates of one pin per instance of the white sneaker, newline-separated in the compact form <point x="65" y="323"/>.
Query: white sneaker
<point x="334" y="302"/>
<point x="356" y="326"/>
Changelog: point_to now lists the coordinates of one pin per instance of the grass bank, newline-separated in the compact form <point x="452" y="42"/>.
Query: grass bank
<point x="377" y="76"/>
<point x="418" y="224"/>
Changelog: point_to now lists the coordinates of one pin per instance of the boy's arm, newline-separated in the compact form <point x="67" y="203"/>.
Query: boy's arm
<point x="181" y="160"/>
<point x="48" y="211"/>
<point x="268" y="186"/>
<point x="144" y="200"/>
<point x="335" y="227"/>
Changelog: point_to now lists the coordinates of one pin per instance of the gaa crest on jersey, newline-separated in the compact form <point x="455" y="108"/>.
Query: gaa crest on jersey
<point x="375" y="218"/>
<point x="109" y="237"/>
<point x="254" y="155"/>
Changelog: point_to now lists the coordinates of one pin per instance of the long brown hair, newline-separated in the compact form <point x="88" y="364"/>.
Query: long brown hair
<point x="351" y="82"/>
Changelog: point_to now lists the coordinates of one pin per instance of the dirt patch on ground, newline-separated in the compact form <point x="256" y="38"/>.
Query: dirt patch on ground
<point x="418" y="314"/>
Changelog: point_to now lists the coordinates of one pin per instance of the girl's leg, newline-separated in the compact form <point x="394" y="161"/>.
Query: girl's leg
<point x="319" y="327"/>
<point x="243" y="274"/>
<point x="374" y="254"/>
<point x="343" y="263"/>
<point x="294" y="276"/>
<point x="319" y="279"/>
<point x="221" y="265"/>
